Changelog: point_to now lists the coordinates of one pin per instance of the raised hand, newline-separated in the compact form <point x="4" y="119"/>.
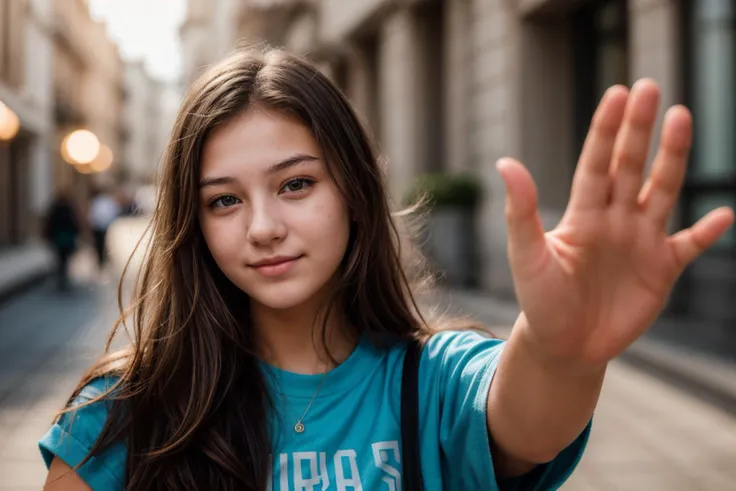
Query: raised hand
<point x="595" y="283"/>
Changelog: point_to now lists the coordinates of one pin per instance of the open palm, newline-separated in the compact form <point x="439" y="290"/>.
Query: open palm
<point x="595" y="283"/>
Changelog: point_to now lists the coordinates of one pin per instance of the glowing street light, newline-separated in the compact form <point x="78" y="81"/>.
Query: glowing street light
<point x="9" y="123"/>
<point x="103" y="161"/>
<point x="84" y="168"/>
<point x="80" y="147"/>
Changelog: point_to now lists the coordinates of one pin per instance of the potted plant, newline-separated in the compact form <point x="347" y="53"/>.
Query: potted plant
<point x="450" y="200"/>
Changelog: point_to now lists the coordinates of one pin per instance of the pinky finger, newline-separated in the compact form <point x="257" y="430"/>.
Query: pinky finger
<point x="690" y="243"/>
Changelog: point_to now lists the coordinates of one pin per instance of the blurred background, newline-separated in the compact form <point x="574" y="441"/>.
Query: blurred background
<point x="89" y="90"/>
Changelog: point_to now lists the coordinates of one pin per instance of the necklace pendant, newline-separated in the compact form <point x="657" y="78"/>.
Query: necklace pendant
<point x="299" y="427"/>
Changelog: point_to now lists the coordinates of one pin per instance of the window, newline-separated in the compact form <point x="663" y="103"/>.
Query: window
<point x="710" y="74"/>
<point x="600" y="44"/>
<point x="708" y="30"/>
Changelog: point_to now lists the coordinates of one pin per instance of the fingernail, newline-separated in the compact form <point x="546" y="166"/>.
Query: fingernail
<point x="645" y="82"/>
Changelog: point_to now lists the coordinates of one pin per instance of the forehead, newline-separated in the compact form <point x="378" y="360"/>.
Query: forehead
<point x="255" y="140"/>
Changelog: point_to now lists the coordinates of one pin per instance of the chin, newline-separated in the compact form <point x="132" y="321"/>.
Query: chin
<point x="282" y="296"/>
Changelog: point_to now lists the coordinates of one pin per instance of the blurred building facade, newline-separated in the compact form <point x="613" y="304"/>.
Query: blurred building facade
<point x="89" y="91"/>
<point x="150" y="110"/>
<point x="142" y="120"/>
<point x="59" y="71"/>
<point x="213" y="28"/>
<point x="140" y="89"/>
<point x="26" y="89"/>
<point x="456" y="84"/>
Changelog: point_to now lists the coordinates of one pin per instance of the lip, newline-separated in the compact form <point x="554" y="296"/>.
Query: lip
<point x="275" y="266"/>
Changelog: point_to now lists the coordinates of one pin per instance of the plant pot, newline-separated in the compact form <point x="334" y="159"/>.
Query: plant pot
<point x="451" y="241"/>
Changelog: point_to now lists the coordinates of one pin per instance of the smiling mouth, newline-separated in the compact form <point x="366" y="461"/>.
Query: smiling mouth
<point x="277" y="267"/>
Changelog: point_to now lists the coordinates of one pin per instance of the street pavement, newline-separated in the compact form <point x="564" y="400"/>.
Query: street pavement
<point x="47" y="339"/>
<point x="647" y="435"/>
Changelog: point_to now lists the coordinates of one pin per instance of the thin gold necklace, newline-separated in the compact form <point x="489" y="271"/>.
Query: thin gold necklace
<point x="299" y="426"/>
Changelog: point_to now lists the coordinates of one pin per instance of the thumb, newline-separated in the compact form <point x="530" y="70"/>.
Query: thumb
<point x="526" y="243"/>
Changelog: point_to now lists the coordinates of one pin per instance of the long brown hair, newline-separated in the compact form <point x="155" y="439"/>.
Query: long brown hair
<point x="189" y="400"/>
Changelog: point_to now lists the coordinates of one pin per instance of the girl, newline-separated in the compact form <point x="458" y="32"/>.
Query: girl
<point x="275" y="307"/>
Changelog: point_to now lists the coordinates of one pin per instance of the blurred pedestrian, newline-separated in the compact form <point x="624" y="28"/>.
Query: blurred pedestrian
<point x="279" y="344"/>
<point x="104" y="209"/>
<point x="126" y="201"/>
<point x="61" y="229"/>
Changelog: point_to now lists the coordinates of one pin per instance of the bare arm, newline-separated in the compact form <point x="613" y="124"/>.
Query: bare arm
<point x="537" y="406"/>
<point x="62" y="478"/>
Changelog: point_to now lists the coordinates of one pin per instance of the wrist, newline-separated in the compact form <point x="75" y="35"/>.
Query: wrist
<point x="559" y="358"/>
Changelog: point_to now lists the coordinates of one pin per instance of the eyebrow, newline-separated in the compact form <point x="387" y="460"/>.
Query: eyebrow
<point x="298" y="159"/>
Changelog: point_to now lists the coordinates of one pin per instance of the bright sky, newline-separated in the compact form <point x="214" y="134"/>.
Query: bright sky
<point x="147" y="29"/>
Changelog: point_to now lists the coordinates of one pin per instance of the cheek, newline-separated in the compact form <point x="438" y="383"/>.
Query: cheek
<point x="330" y="231"/>
<point x="220" y="239"/>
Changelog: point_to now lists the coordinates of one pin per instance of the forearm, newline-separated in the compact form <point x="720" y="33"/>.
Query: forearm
<point x="538" y="406"/>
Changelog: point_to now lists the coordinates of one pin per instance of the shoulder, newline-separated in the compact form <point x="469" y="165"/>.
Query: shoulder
<point x="452" y="348"/>
<point x="454" y="340"/>
<point x="74" y="434"/>
<point x="96" y="388"/>
<point x="87" y="412"/>
<point x="448" y="348"/>
<point x="93" y="403"/>
<point x="89" y="407"/>
<point x="457" y="363"/>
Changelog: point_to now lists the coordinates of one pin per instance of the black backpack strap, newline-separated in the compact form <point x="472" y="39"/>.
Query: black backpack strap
<point x="410" y="462"/>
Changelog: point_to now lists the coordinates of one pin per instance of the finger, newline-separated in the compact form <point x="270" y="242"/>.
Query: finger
<point x="591" y="183"/>
<point x="526" y="243"/>
<point x="632" y="143"/>
<point x="690" y="243"/>
<point x="662" y="188"/>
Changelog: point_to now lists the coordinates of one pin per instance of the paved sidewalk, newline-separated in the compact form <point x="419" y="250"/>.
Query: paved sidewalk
<point x="23" y="265"/>
<point x="650" y="436"/>
<point x="48" y="339"/>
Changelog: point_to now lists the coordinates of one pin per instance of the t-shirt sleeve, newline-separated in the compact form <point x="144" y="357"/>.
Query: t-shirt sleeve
<point x="463" y="364"/>
<point x="73" y="435"/>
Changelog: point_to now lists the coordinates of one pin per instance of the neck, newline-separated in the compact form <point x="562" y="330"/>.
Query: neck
<point x="291" y="339"/>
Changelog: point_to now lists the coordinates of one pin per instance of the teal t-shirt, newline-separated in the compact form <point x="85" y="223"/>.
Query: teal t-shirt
<point x="352" y="430"/>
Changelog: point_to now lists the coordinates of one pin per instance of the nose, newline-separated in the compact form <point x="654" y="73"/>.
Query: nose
<point x="266" y="225"/>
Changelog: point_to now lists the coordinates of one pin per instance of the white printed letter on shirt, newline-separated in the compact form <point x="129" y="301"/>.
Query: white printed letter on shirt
<point x="381" y="456"/>
<point x="342" y="483"/>
<point x="284" y="471"/>
<point x="323" y="471"/>
<point x="300" y="482"/>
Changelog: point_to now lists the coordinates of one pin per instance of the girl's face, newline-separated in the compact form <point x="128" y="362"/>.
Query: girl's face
<point x="274" y="221"/>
